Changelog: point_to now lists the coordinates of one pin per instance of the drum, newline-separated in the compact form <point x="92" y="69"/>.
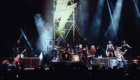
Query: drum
<point x="66" y="57"/>
<point x="75" y="57"/>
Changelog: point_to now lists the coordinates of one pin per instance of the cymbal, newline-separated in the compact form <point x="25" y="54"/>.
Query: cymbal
<point x="76" y="46"/>
<point x="61" y="49"/>
<point x="56" y="47"/>
<point x="84" y="49"/>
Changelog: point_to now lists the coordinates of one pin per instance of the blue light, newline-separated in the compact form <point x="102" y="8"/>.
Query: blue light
<point x="26" y="39"/>
<point x="136" y="8"/>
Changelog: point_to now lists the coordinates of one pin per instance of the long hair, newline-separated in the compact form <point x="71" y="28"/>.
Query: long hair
<point x="110" y="42"/>
<point x="123" y="42"/>
<point x="93" y="48"/>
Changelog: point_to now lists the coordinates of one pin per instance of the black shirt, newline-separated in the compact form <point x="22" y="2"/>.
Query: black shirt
<point x="92" y="52"/>
<point x="124" y="47"/>
<point x="68" y="49"/>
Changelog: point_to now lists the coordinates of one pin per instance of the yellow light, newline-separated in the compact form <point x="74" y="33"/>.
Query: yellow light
<point x="135" y="61"/>
<point x="62" y="13"/>
<point x="17" y="76"/>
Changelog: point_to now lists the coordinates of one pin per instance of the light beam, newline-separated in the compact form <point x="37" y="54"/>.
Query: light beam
<point x="45" y="31"/>
<point x="96" y="23"/>
<point x="136" y="8"/>
<point x="26" y="39"/>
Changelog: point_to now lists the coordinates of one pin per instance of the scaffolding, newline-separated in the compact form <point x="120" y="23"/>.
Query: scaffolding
<point x="73" y="26"/>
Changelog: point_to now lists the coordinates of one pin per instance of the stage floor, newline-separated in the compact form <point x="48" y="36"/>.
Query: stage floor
<point x="33" y="62"/>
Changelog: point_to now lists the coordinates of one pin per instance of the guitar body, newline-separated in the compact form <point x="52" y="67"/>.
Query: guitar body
<point x="16" y="59"/>
<point x="18" y="56"/>
<point x="88" y="55"/>
<point x="119" y="59"/>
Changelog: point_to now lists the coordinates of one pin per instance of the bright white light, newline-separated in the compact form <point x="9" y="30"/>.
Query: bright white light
<point x="63" y="12"/>
<point x="41" y="56"/>
<point x="45" y="31"/>
<point x="115" y="18"/>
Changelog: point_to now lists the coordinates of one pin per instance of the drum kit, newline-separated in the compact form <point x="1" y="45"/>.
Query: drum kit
<point x="61" y="55"/>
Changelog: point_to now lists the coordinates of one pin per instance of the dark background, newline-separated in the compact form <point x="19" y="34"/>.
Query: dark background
<point x="16" y="14"/>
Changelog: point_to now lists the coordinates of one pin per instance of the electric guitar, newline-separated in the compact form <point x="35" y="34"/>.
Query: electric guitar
<point x="119" y="55"/>
<point x="18" y="56"/>
<point x="88" y="55"/>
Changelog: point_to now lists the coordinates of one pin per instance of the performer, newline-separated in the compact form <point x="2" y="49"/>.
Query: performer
<point x="82" y="54"/>
<point x="17" y="55"/>
<point x="90" y="55"/>
<point x="80" y="50"/>
<point x="119" y="54"/>
<point x="18" y="44"/>
<point x="110" y="49"/>
<point x="86" y="46"/>
<point x="16" y="49"/>
<point x="124" y="47"/>
<point x="68" y="49"/>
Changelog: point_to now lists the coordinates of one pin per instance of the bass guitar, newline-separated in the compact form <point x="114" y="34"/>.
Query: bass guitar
<point x="18" y="56"/>
<point x="88" y="55"/>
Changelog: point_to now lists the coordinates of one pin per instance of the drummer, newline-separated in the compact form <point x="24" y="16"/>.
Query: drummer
<point x="68" y="49"/>
<point x="82" y="50"/>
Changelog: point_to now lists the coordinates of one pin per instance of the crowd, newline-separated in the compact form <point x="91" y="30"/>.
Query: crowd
<point x="72" y="72"/>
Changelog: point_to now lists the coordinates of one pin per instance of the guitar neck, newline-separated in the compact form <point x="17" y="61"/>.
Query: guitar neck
<point x="23" y="51"/>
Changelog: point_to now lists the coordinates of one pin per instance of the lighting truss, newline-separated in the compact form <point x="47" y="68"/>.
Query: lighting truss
<point x="63" y="11"/>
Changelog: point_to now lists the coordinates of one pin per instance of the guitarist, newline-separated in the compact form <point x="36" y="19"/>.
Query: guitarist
<point x="90" y="55"/>
<point x="18" y="58"/>
<point x="17" y="55"/>
<point x="119" y="54"/>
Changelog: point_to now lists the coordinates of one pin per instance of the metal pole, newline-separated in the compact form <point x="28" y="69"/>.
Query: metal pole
<point x="54" y="25"/>
<point x="73" y="22"/>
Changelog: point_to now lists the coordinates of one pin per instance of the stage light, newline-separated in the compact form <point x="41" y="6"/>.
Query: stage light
<point x="136" y="8"/>
<point x="17" y="76"/>
<point x="26" y="39"/>
<point x="135" y="61"/>
<point x="21" y="35"/>
<point x="114" y="24"/>
<point x="96" y="23"/>
<point x="45" y="31"/>
<point x="41" y="57"/>
<point x="115" y="18"/>
<point x="62" y="13"/>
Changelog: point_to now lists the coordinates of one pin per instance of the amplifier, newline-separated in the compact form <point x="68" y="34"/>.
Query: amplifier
<point x="110" y="62"/>
<point x="28" y="62"/>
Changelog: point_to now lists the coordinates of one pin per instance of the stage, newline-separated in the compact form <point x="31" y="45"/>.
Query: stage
<point x="104" y="61"/>
<point x="32" y="62"/>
